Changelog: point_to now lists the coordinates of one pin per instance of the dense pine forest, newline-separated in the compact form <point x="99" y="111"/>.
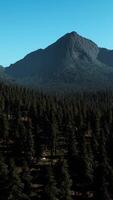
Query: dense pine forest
<point x="55" y="147"/>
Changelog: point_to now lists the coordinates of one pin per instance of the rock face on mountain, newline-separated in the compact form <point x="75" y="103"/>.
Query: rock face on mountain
<point x="106" y="56"/>
<point x="71" y="62"/>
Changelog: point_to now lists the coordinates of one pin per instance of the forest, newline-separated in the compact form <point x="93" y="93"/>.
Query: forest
<point x="55" y="146"/>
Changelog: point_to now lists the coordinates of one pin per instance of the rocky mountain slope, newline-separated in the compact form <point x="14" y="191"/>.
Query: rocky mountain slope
<point x="71" y="62"/>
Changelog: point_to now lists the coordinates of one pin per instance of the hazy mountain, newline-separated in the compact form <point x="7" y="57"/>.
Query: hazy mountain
<point x="106" y="56"/>
<point x="71" y="62"/>
<point x="3" y="75"/>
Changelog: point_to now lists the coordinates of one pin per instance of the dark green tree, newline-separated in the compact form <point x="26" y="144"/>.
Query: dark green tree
<point x="30" y="151"/>
<point x="4" y="184"/>
<point x="16" y="187"/>
<point x="50" y="191"/>
<point x="103" y="173"/>
<point x="64" y="181"/>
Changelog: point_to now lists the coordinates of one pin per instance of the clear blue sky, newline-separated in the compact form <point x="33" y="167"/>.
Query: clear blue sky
<point x="27" y="25"/>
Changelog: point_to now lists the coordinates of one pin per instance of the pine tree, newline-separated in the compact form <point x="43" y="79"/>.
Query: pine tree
<point x="64" y="181"/>
<point x="51" y="191"/>
<point x="26" y="179"/>
<point x="104" y="172"/>
<point x="53" y="138"/>
<point x="5" y="131"/>
<point x="72" y="144"/>
<point x="85" y="163"/>
<point x="30" y="145"/>
<point x="37" y="142"/>
<point x="16" y="187"/>
<point x="4" y="184"/>
<point x="20" y="144"/>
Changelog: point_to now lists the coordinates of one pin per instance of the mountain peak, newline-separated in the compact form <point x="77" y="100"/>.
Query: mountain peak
<point x="72" y="60"/>
<point x="77" y="43"/>
<point x="72" y="34"/>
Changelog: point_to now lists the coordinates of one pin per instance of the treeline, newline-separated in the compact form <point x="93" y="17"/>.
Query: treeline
<point x="55" y="147"/>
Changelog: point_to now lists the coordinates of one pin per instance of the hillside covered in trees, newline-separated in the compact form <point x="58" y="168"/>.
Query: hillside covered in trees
<point x="55" y="147"/>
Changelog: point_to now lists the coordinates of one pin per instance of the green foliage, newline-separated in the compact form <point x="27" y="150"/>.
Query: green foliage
<point x="71" y="135"/>
<point x="51" y="191"/>
<point x="64" y="181"/>
<point x="16" y="186"/>
<point x="4" y="187"/>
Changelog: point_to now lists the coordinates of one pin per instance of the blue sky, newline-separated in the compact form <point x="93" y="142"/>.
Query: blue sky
<point x="27" y="25"/>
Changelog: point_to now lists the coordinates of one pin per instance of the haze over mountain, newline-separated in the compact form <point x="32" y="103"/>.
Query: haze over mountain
<point x="71" y="62"/>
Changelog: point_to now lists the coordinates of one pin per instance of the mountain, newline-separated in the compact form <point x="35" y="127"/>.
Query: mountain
<point x="3" y="74"/>
<point x="106" y="56"/>
<point x="72" y="62"/>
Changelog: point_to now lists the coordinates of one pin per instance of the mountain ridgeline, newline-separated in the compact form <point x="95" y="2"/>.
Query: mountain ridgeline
<point x="72" y="62"/>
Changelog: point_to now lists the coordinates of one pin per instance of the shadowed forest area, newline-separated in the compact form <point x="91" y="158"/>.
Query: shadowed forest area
<point x="55" y="147"/>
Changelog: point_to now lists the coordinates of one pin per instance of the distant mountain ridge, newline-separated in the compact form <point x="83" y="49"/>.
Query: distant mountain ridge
<point x="106" y="56"/>
<point x="72" y="61"/>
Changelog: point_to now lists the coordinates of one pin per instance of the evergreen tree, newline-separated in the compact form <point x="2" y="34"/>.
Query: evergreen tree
<point x="16" y="187"/>
<point x="26" y="179"/>
<point x="30" y="145"/>
<point x="51" y="191"/>
<point x="4" y="184"/>
<point x="104" y="172"/>
<point x="5" y="132"/>
<point x="85" y="163"/>
<point x="53" y="138"/>
<point x="64" y="181"/>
